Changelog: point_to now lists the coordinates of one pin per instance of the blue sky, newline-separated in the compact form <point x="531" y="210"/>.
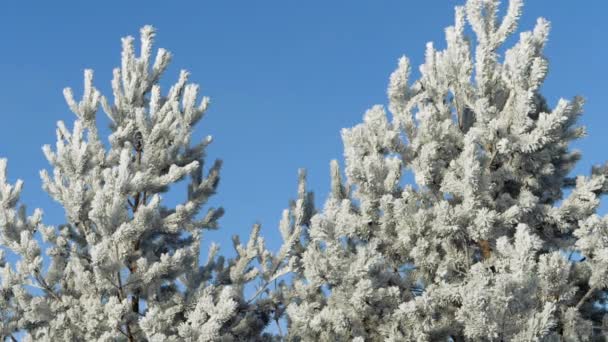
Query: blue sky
<point x="284" y="77"/>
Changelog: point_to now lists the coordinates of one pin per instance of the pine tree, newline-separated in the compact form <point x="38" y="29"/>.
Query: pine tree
<point x="479" y="247"/>
<point x="124" y="266"/>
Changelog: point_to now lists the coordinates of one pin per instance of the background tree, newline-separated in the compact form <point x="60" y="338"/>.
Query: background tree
<point x="479" y="247"/>
<point x="124" y="266"/>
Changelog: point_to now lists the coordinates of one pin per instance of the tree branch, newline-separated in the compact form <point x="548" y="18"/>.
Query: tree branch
<point x="586" y="297"/>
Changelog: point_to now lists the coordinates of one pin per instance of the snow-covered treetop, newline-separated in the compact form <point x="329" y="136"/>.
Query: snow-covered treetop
<point x="477" y="248"/>
<point x="125" y="266"/>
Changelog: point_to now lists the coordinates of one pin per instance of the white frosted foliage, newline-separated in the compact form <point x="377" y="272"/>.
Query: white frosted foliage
<point x="125" y="266"/>
<point x="485" y="246"/>
<point x="494" y="240"/>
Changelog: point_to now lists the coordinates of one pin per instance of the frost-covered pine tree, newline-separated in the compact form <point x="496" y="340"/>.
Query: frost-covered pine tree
<point x="478" y="249"/>
<point x="124" y="266"/>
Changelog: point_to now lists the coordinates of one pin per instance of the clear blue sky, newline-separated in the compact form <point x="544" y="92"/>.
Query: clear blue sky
<point x="284" y="77"/>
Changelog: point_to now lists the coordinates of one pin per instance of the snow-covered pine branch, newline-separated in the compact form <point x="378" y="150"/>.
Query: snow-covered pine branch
<point x="124" y="266"/>
<point x="477" y="249"/>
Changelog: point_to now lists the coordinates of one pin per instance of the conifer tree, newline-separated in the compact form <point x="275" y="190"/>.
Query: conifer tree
<point x="124" y="266"/>
<point x="478" y="248"/>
